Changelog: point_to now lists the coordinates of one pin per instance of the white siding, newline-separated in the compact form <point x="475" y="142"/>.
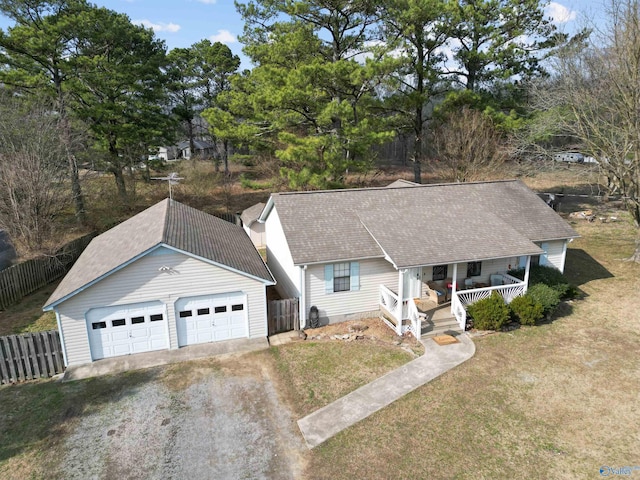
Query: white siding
<point x="279" y="259"/>
<point x="143" y="281"/>
<point x="555" y="253"/>
<point x="340" y="305"/>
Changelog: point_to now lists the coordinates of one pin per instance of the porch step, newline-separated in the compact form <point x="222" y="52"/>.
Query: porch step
<point x="431" y="329"/>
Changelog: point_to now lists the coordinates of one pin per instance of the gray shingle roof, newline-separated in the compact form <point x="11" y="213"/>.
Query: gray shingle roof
<point x="251" y="214"/>
<point x="171" y="223"/>
<point x="418" y="225"/>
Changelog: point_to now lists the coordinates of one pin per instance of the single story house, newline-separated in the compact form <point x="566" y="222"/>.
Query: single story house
<point x="354" y="253"/>
<point x="165" y="153"/>
<point x="203" y="149"/>
<point x="252" y="227"/>
<point x="168" y="277"/>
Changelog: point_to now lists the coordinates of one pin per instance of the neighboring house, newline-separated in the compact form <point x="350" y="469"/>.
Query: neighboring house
<point x="354" y="253"/>
<point x="203" y="149"/>
<point x="250" y="223"/>
<point x="167" y="154"/>
<point x="168" y="277"/>
<point x="7" y="252"/>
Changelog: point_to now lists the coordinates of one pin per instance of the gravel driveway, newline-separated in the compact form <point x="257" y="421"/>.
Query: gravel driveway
<point x="199" y="420"/>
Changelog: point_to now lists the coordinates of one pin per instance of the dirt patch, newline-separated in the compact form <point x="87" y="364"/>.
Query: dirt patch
<point x="369" y="330"/>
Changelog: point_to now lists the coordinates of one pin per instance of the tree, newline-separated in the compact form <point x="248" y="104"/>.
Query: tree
<point x="183" y="85"/>
<point x="498" y="41"/>
<point x="311" y="89"/>
<point x="215" y="64"/>
<point x="595" y="95"/>
<point x="33" y="60"/>
<point x="468" y="145"/>
<point x="32" y="172"/>
<point x="415" y="32"/>
<point x="118" y="88"/>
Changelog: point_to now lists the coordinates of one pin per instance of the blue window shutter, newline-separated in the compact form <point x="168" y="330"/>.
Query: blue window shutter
<point x="543" y="257"/>
<point x="355" y="276"/>
<point x="522" y="262"/>
<point x="328" y="278"/>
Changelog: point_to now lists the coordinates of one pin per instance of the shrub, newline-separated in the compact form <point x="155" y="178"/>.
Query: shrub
<point x="489" y="313"/>
<point x="546" y="296"/>
<point x="526" y="310"/>
<point x="553" y="278"/>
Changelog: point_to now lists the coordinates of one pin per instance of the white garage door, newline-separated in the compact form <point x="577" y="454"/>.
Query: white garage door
<point x="123" y="330"/>
<point x="211" y="318"/>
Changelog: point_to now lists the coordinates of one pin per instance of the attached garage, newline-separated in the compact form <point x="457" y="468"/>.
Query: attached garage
<point x="211" y="318"/>
<point x="123" y="330"/>
<point x="169" y="277"/>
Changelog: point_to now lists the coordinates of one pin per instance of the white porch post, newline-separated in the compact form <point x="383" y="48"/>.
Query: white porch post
<point x="400" y="301"/>
<point x="526" y="273"/>
<point x="453" y="284"/>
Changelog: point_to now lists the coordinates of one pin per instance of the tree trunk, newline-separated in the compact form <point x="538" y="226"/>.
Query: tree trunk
<point x="120" y="184"/>
<point x="225" y="156"/>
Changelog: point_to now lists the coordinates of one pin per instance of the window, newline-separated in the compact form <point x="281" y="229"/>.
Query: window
<point x="157" y="318"/>
<point x="220" y="309"/>
<point x="203" y="311"/>
<point x="185" y="314"/>
<point x="439" y="272"/>
<point x="136" y="320"/>
<point x="118" y="323"/>
<point x="474" y="269"/>
<point x="341" y="277"/>
<point x="99" y="325"/>
<point x="236" y="308"/>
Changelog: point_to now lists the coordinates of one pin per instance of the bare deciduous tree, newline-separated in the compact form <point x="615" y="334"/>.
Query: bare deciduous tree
<point x="33" y="190"/>
<point x="468" y="146"/>
<point x="596" y="97"/>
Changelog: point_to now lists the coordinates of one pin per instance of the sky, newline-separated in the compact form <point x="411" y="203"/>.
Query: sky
<point x="181" y="23"/>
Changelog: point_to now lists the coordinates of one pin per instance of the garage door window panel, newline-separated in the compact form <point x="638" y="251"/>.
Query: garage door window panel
<point x="237" y="308"/>
<point x="186" y="313"/>
<point x="99" y="325"/>
<point x="136" y="320"/>
<point x="220" y="309"/>
<point x="157" y="318"/>
<point x="118" y="323"/>
<point x="203" y="311"/>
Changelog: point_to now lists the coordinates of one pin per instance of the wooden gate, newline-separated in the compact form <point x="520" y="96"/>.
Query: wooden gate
<point x="283" y="315"/>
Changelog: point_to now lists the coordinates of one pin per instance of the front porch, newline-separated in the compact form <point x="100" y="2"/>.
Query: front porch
<point x="422" y="312"/>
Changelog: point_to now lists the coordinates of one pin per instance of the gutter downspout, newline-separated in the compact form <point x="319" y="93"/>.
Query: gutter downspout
<point x="303" y="298"/>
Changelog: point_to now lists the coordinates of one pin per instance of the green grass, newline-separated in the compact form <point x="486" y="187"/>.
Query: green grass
<point x="315" y="374"/>
<point x="27" y="316"/>
<point x="36" y="416"/>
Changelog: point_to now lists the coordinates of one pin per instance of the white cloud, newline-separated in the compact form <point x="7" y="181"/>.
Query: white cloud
<point x="158" y="27"/>
<point x="208" y="2"/>
<point x="559" y="13"/>
<point x="223" y="36"/>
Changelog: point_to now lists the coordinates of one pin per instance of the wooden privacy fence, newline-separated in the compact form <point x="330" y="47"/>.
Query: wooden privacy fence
<point x="20" y="280"/>
<point x="283" y="315"/>
<point x="29" y="356"/>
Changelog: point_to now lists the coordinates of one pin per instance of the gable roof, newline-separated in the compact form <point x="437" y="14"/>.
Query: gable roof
<point x="419" y="224"/>
<point x="251" y="214"/>
<point x="168" y="223"/>
<point x="401" y="182"/>
<point x="198" y="144"/>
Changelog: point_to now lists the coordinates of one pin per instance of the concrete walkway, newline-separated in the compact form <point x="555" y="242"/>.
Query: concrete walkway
<point x="359" y="404"/>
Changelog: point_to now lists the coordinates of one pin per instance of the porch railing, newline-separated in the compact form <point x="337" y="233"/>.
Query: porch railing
<point x="513" y="287"/>
<point x="389" y="301"/>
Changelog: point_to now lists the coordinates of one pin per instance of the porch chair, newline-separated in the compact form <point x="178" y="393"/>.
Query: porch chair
<point x="468" y="283"/>
<point x="436" y="293"/>
<point x="496" y="280"/>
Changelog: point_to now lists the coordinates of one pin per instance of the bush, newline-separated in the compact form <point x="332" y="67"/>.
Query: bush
<point x="526" y="310"/>
<point x="546" y="296"/>
<point x="553" y="278"/>
<point x="489" y="313"/>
